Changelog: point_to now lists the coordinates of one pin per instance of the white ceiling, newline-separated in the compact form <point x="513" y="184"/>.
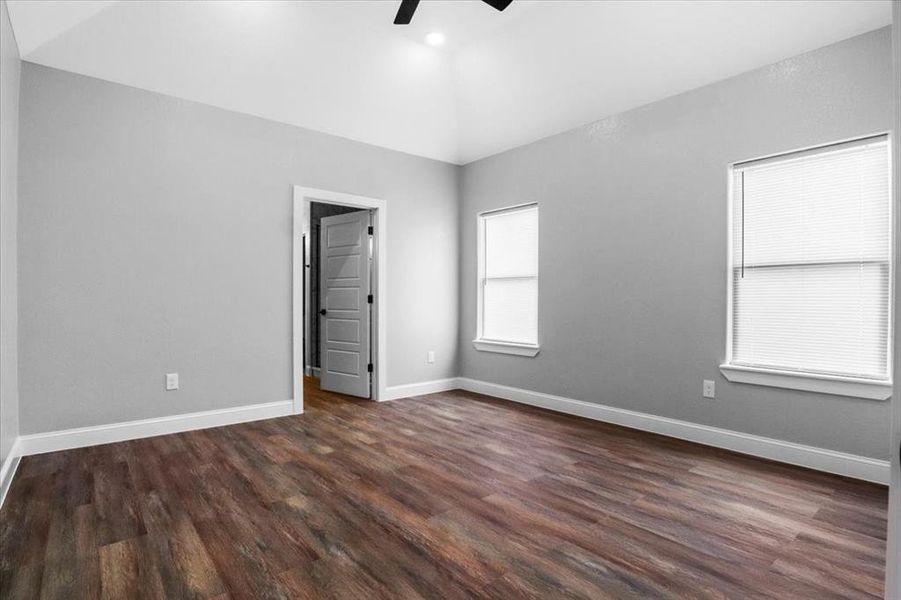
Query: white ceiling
<point x="502" y="79"/>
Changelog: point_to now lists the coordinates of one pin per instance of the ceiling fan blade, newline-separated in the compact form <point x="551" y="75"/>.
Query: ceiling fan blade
<point x="405" y="12"/>
<point x="498" y="4"/>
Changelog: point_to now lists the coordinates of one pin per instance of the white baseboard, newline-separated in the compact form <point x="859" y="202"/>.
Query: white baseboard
<point x="8" y="470"/>
<point x="39" y="443"/>
<point x="396" y="392"/>
<point x="830" y="461"/>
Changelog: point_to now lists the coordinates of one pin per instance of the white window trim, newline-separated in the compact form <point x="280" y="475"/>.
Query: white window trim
<point x="480" y="343"/>
<point x="506" y="347"/>
<point x="871" y="389"/>
<point x="855" y="387"/>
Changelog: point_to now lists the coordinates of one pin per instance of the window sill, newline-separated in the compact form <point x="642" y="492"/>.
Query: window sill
<point x="810" y="382"/>
<point x="529" y="350"/>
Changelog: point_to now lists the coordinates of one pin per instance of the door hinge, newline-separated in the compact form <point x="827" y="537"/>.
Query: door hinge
<point x="371" y="230"/>
<point x="369" y="299"/>
<point x="369" y="368"/>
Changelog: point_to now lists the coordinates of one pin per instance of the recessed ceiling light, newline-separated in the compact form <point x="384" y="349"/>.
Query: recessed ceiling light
<point x="436" y="38"/>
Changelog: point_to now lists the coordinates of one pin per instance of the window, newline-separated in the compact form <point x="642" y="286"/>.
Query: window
<point x="508" y="281"/>
<point x="811" y="270"/>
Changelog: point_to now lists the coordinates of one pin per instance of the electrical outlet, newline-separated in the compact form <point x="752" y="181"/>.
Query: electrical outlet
<point x="709" y="389"/>
<point x="431" y="357"/>
<point x="171" y="381"/>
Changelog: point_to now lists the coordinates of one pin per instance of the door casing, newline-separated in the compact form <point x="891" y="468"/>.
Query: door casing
<point x="893" y="550"/>
<point x="302" y="198"/>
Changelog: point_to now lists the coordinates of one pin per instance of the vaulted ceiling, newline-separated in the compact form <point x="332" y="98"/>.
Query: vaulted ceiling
<point x="501" y="80"/>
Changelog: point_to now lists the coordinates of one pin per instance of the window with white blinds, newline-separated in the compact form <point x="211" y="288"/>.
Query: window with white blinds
<point x="811" y="262"/>
<point x="508" y="276"/>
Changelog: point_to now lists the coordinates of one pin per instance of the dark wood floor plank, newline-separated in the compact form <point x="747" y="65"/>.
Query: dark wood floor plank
<point x="128" y="569"/>
<point x="452" y="495"/>
<point x="60" y="577"/>
<point x="116" y="503"/>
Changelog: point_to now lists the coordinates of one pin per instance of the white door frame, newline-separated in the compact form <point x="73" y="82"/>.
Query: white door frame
<point x="302" y="198"/>
<point x="893" y="549"/>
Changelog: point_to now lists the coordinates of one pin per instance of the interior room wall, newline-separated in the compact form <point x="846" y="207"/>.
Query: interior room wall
<point x="155" y="237"/>
<point x="633" y="265"/>
<point x="10" y="67"/>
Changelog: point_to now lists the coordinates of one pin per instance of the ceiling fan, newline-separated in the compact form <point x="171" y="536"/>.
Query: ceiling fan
<point x="408" y="7"/>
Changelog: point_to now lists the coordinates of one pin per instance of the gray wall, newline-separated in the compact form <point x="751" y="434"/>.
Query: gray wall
<point x="632" y="305"/>
<point x="9" y="152"/>
<point x="155" y="236"/>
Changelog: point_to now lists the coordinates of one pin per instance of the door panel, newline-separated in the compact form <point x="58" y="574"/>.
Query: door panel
<point x="342" y="299"/>
<point x="342" y="267"/>
<point x="343" y="330"/>
<point x="343" y="234"/>
<point x="344" y="363"/>
<point x="344" y="287"/>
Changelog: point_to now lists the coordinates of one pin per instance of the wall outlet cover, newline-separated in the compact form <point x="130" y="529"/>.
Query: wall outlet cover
<point x="171" y="381"/>
<point x="709" y="389"/>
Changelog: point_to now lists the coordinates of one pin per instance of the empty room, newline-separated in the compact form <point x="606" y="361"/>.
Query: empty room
<point x="450" y="299"/>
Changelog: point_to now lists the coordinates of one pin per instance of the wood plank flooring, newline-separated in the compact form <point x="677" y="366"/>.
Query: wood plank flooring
<point x="447" y="496"/>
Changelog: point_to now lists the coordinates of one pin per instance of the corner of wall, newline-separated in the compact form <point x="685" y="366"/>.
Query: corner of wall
<point x="10" y="69"/>
<point x="458" y="354"/>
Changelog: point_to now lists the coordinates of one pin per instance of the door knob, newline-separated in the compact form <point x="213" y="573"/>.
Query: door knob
<point x="323" y="311"/>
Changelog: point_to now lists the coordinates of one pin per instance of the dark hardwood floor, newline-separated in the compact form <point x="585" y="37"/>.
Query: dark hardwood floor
<point x="450" y="495"/>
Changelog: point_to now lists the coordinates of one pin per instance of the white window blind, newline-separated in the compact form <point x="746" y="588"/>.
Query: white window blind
<point x="508" y="275"/>
<point x="811" y="261"/>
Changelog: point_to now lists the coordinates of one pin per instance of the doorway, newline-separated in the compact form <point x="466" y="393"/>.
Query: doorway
<point x="340" y="329"/>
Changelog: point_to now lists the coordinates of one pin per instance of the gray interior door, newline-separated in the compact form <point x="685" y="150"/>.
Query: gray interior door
<point x="344" y="315"/>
